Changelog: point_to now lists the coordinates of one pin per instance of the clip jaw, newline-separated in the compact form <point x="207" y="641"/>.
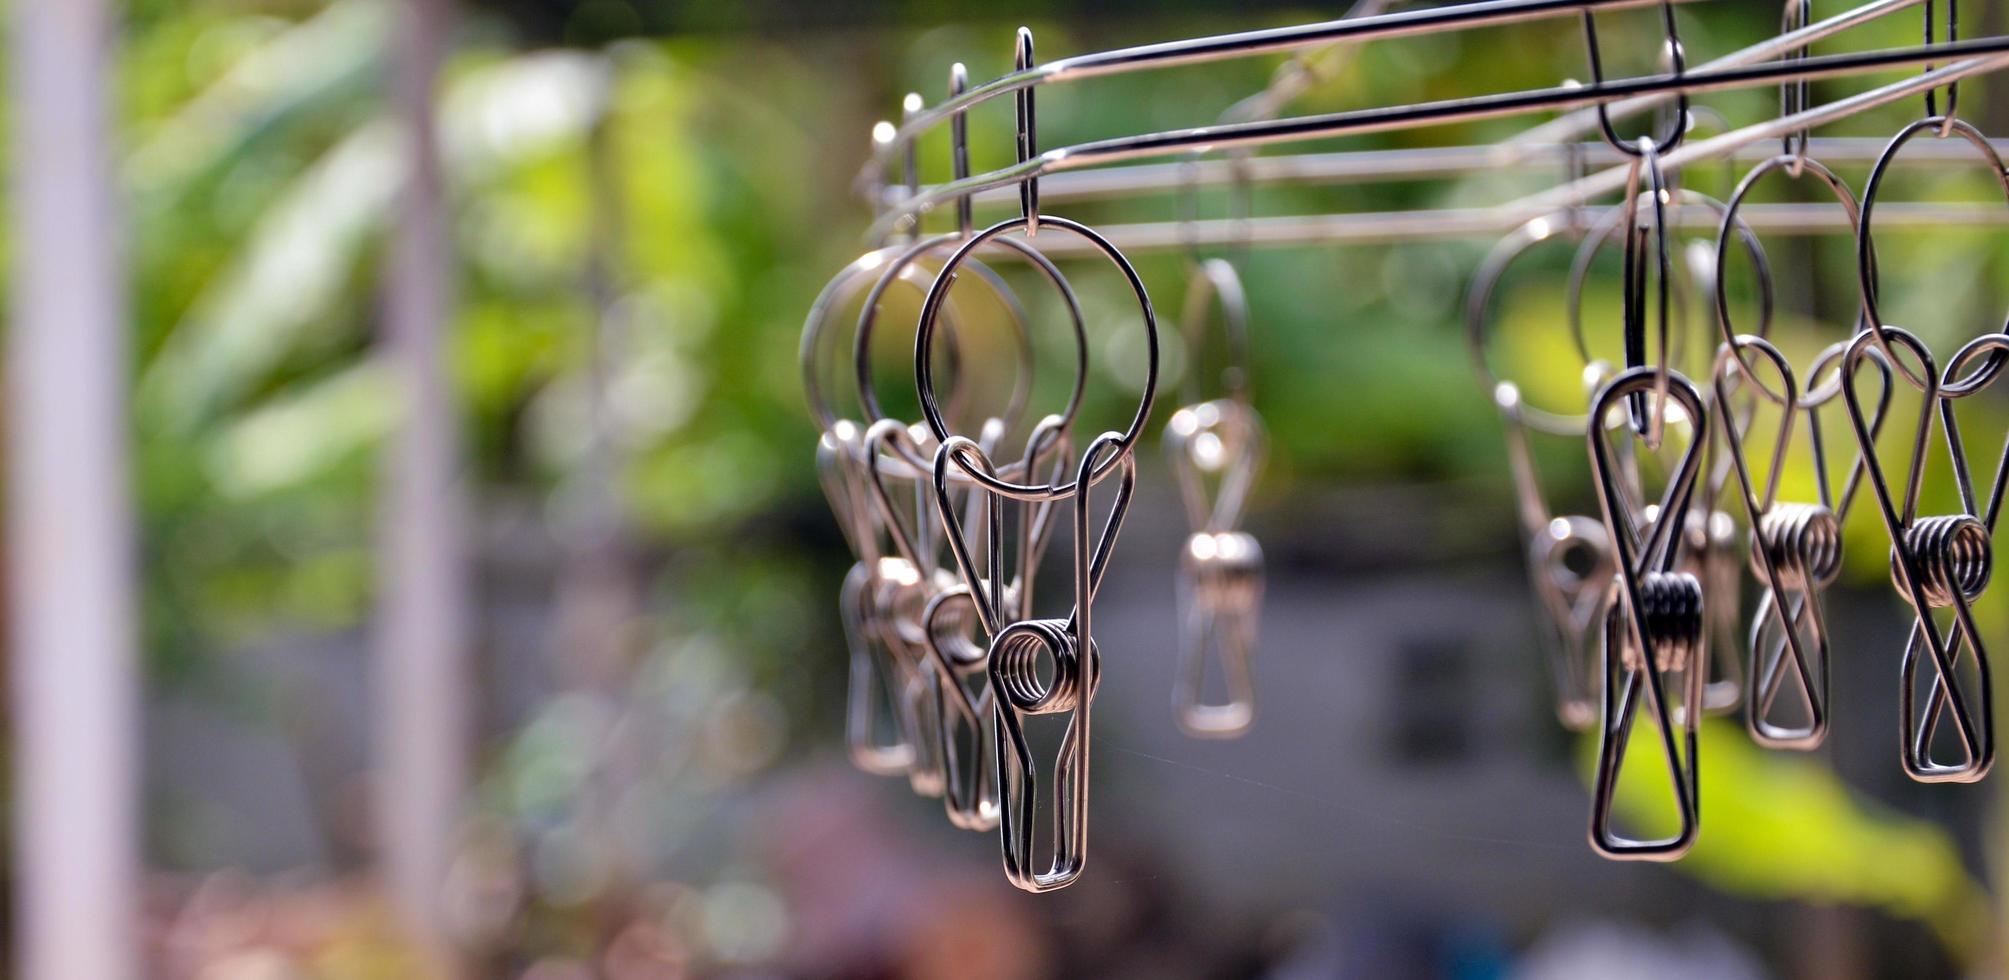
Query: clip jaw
<point x="1653" y="630"/>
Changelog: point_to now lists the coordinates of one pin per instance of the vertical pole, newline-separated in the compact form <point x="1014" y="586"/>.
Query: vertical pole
<point x="422" y="642"/>
<point x="70" y="573"/>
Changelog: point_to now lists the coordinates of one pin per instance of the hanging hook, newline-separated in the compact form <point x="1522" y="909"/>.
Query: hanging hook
<point x="959" y="148"/>
<point x="1028" y="134"/>
<point x="1636" y="243"/>
<point x="1794" y="96"/>
<point x="1674" y="56"/>
<point x="1952" y="88"/>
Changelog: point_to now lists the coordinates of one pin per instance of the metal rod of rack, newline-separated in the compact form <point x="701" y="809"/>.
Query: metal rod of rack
<point x="1398" y="226"/>
<point x="1393" y="227"/>
<point x="1584" y="121"/>
<point x="1544" y="143"/>
<point x="1416" y="115"/>
<point x="1242" y="44"/>
<point x="1414" y="163"/>
<point x="1614" y="179"/>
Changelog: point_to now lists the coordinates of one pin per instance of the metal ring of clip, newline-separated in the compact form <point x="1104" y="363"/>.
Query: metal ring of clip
<point x="925" y="339"/>
<point x="1866" y="249"/>
<point x="911" y="453"/>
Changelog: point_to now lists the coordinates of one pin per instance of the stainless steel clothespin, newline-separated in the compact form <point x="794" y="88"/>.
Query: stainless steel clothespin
<point x="1221" y="567"/>
<point x="1653" y="631"/>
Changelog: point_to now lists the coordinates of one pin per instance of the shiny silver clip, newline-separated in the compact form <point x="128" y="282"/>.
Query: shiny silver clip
<point x="1654" y="629"/>
<point x="1221" y="567"/>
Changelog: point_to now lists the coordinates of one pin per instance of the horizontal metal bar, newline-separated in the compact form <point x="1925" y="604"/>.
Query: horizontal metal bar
<point x="1394" y="227"/>
<point x="1327" y="125"/>
<point x="1546" y="142"/>
<point x="1416" y="163"/>
<point x="1584" y="121"/>
<point x="1457" y="17"/>
<point x="1614" y="179"/>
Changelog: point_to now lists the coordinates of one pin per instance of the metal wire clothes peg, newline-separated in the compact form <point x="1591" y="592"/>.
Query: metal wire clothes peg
<point x="1569" y="557"/>
<point x="1714" y="553"/>
<point x="1711" y="553"/>
<point x="960" y="682"/>
<point x="900" y="590"/>
<point x="877" y="734"/>
<point x="1655" y="628"/>
<point x="1018" y="650"/>
<point x="1937" y="561"/>
<point x="1795" y="547"/>
<point x="1221" y="567"/>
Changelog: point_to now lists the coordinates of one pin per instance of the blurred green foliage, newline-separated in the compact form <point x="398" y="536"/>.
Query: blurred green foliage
<point x="1783" y="826"/>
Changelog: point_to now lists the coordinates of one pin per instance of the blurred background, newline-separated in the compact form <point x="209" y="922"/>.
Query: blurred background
<point x="483" y="619"/>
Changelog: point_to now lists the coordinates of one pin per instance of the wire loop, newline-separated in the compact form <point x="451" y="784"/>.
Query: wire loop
<point x="924" y="363"/>
<point x="1677" y="60"/>
<point x="1866" y="247"/>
